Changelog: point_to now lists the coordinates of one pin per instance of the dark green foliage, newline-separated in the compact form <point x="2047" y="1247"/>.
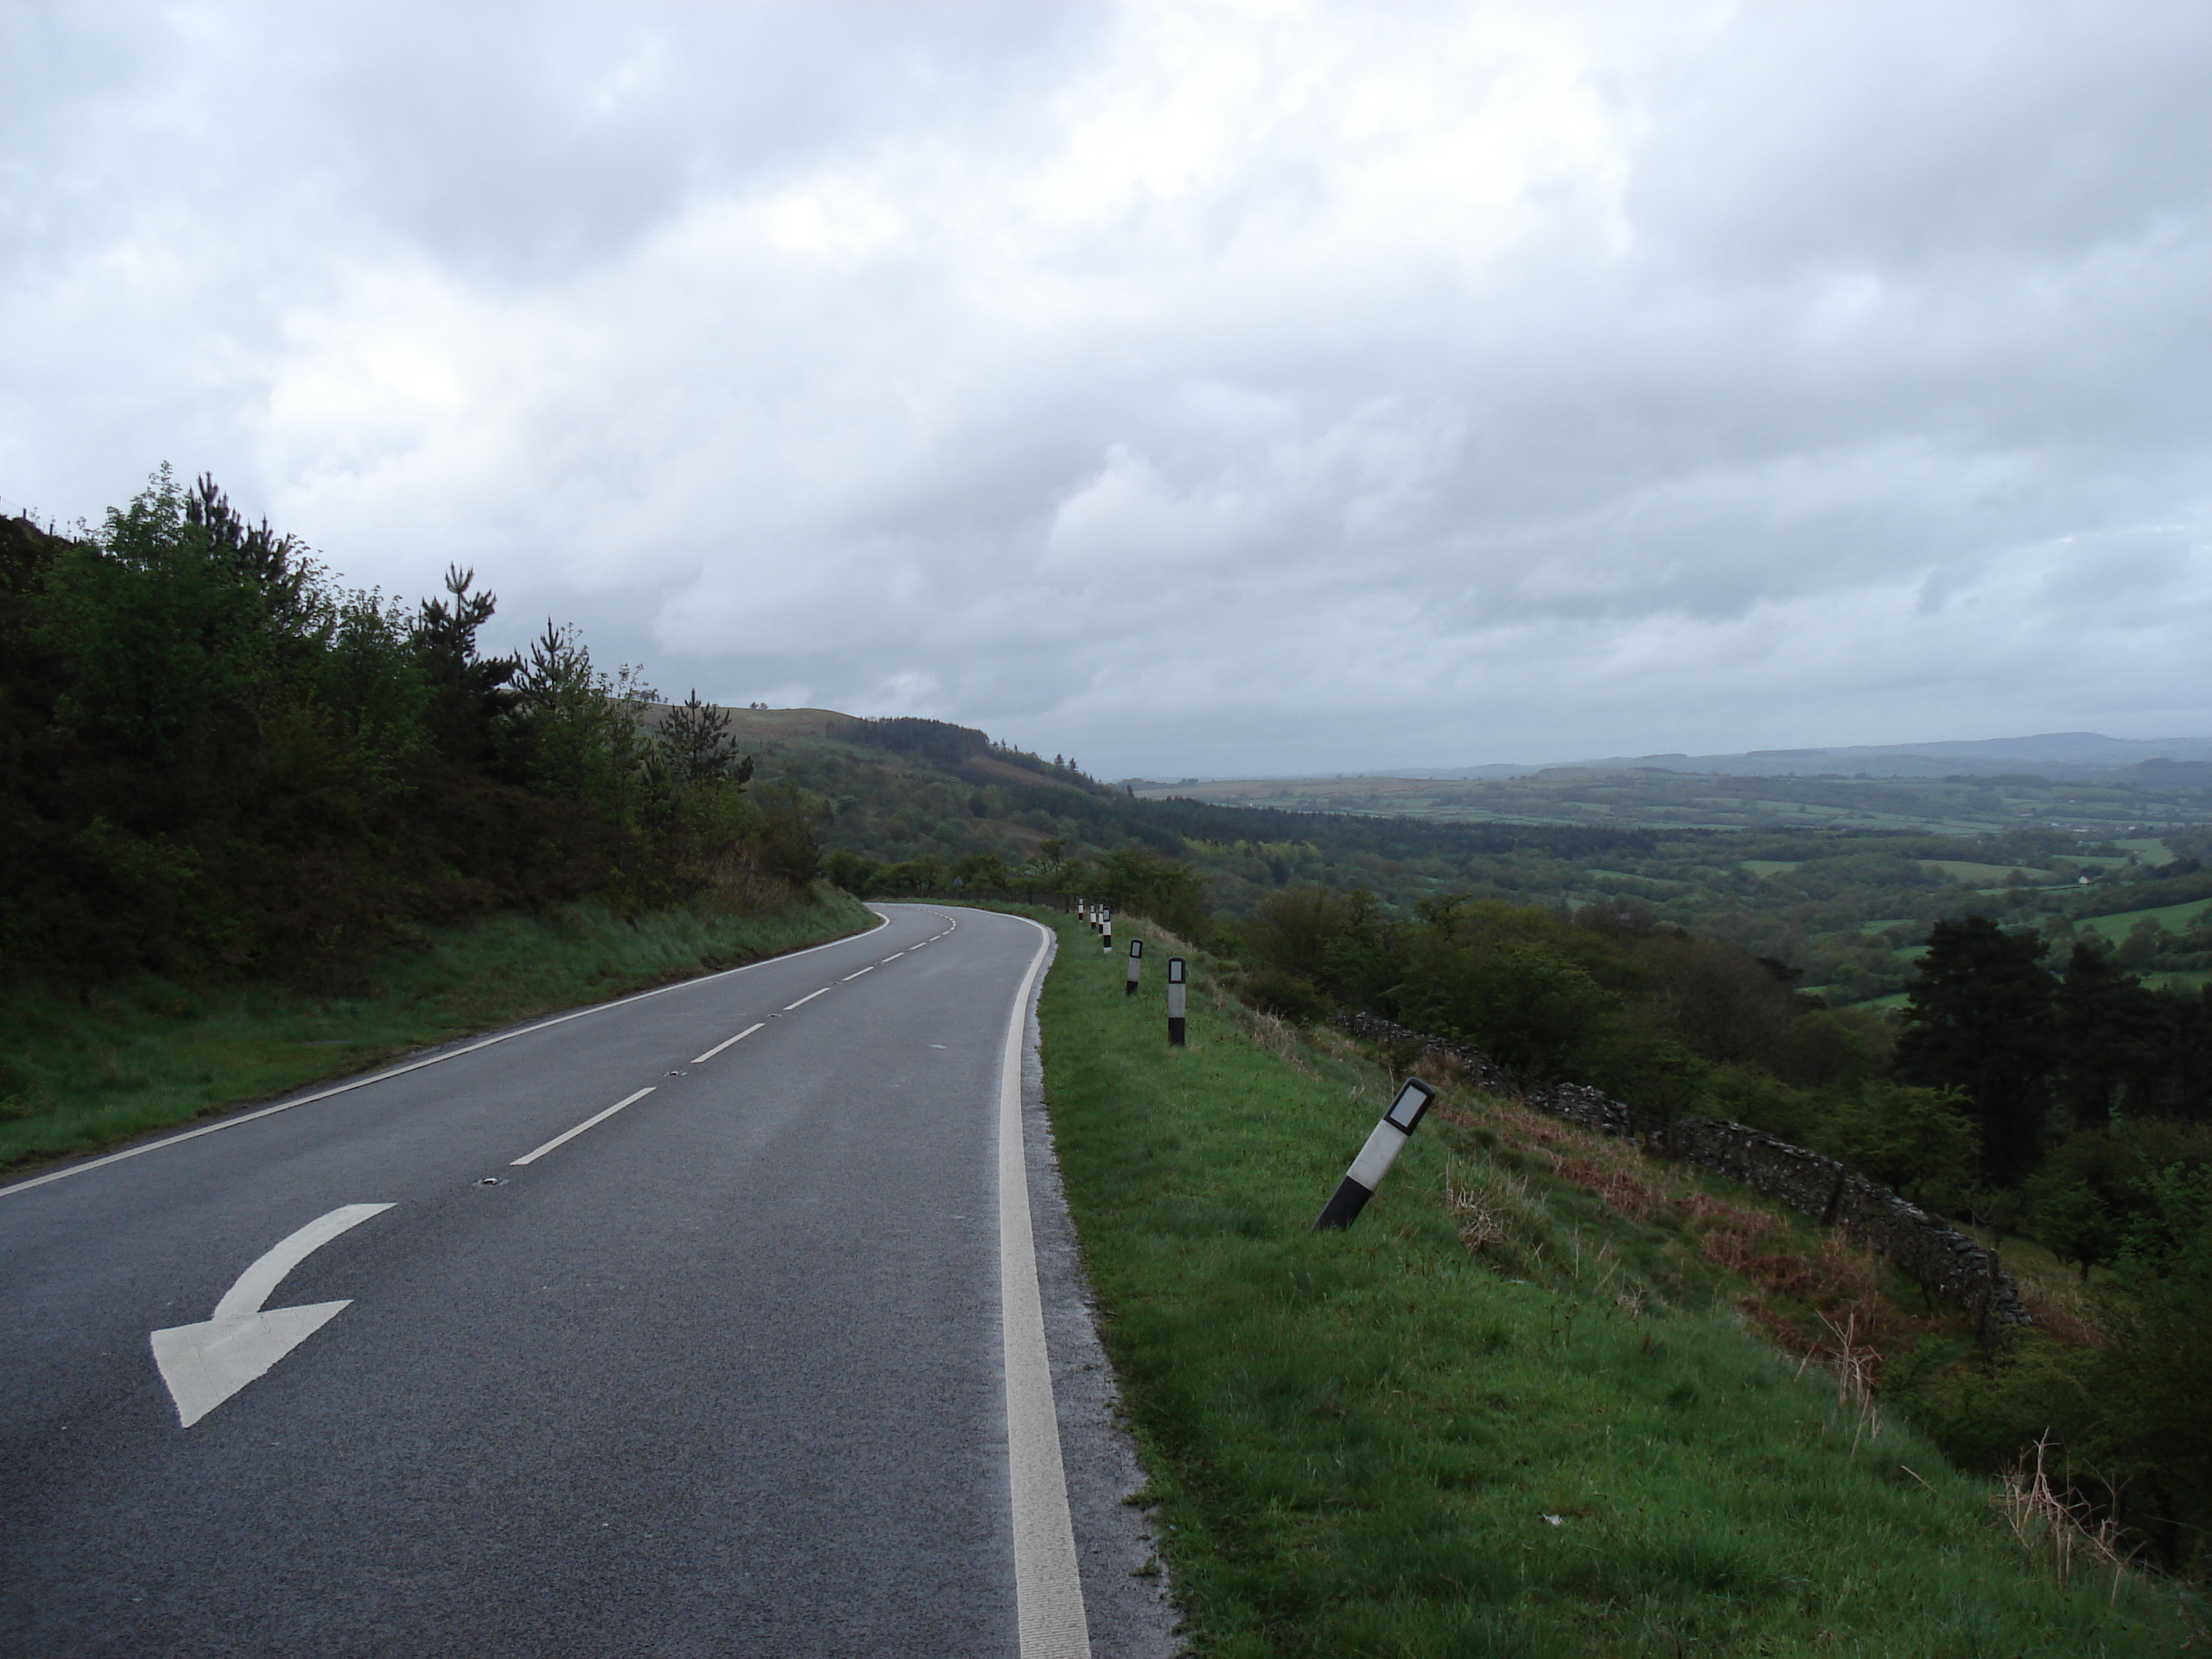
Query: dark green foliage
<point x="694" y="749"/>
<point x="2125" y="1417"/>
<point x="1919" y="1142"/>
<point x="789" y="847"/>
<point x="469" y="696"/>
<point x="1505" y="978"/>
<point x="1979" y="1020"/>
<point x="214" y="760"/>
<point x="2108" y="1039"/>
<point x="937" y="740"/>
<point x="1140" y="883"/>
<point x="1986" y="1017"/>
<point x="1277" y="991"/>
<point x="2110" y="1190"/>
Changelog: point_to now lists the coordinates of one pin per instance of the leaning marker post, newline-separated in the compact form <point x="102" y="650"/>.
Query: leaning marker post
<point x="1376" y="1158"/>
<point x="1175" y="1002"/>
<point x="1136" y="958"/>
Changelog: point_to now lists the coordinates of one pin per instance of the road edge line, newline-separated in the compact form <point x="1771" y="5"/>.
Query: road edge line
<point x="1047" y="1578"/>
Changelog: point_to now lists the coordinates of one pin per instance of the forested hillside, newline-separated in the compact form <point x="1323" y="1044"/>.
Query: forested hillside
<point x="912" y="805"/>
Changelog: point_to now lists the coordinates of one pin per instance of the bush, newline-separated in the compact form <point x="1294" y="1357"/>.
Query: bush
<point x="1285" y="994"/>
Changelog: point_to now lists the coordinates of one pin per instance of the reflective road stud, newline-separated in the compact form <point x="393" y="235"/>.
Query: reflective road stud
<point x="1376" y="1158"/>
<point x="1175" y="1002"/>
<point x="1136" y="957"/>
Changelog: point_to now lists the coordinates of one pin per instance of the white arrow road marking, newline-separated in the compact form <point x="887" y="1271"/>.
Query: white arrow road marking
<point x="204" y="1365"/>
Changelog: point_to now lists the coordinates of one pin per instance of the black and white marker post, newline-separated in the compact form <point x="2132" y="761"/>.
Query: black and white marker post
<point x="1175" y="1002"/>
<point x="1106" y="932"/>
<point x="1376" y="1158"/>
<point x="1136" y="960"/>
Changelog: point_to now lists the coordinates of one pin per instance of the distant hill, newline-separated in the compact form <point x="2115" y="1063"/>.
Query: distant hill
<point x="2061" y="757"/>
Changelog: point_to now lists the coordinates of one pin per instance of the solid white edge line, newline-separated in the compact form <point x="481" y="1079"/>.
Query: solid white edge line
<point x="803" y="1001"/>
<point x="567" y="1135"/>
<point x="882" y="922"/>
<point x="726" y="1043"/>
<point x="849" y="978"/>
<point x="1048" y="1580"/>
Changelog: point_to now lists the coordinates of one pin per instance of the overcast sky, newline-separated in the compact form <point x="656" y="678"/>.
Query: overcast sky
<point x="1191" y="389"/>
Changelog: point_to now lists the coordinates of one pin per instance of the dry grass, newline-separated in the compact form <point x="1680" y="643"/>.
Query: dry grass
<point x="2057" y="1301"/>
<point x="2055" y="1527"/>
<point x="1821" y="1300"/>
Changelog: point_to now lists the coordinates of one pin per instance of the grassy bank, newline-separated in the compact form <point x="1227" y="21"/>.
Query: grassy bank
<point x="1521" y="1407"/>
<point x="75" y="1076"/>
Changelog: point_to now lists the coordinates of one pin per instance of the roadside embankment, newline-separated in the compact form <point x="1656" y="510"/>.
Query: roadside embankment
<point x="80" y="1073"/>
<point x="1941" y="1259"/>
<point x="1524" y="1405"/>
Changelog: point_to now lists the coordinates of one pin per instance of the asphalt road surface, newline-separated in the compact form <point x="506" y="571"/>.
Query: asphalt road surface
<point x="504" y="1355"/>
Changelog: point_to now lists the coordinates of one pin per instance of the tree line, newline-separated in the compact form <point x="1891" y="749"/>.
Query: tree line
<point x="216" y="758"/>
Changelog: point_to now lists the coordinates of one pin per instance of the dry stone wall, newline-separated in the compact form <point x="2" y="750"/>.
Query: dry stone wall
<point x="1938" y="1257"/>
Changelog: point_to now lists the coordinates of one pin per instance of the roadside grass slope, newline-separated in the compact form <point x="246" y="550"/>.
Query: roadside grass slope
<point x="1544" y="1398"/>
<point x="144" y="1053"/>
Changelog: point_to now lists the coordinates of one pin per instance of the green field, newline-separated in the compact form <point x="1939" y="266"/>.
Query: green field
<point x="2149" y="848"/>
<point x="1967" y="871"/>
<point x="2184" y="978"/>
<point x="1496" y="1416"/>
<point x="2174" y="918"/>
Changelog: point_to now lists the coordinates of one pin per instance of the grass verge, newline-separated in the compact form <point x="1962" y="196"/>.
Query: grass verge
<point x="1517" y="1408"/>
<point x="145" y="1053"/>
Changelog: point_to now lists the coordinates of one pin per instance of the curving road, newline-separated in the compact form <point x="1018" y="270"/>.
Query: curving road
<point x="504" y="1354"/>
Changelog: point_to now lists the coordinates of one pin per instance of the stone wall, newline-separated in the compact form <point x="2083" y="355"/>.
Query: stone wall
<point x="1941" y="1259"/>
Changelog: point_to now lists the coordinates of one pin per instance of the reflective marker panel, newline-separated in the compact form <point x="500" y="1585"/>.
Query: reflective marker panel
<point x="1175" y="970"/>
<point x="1413" y="1100"/>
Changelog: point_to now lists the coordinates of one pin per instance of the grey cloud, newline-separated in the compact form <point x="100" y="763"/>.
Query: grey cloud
<point x="1192" y="391"/>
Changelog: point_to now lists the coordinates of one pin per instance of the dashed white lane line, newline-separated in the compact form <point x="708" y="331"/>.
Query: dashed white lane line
<point x="570" y="1134"/>
<point x="725" y="1043"/>
<point x="849" y="978"/>
<point x="803" y="1001"/>
<point x="894" y="955"/>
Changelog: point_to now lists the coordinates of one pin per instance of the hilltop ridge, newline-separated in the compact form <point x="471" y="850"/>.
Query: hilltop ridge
<point x="2060" y="756"/>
